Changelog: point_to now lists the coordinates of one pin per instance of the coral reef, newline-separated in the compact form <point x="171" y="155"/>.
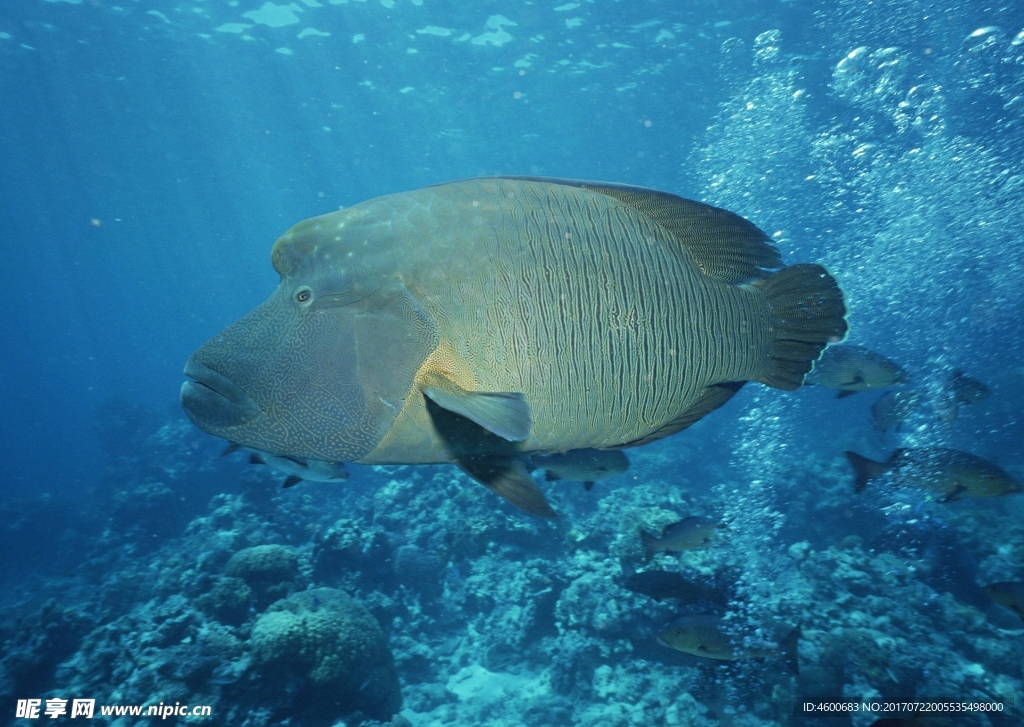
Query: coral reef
<point x="411" y="596"/>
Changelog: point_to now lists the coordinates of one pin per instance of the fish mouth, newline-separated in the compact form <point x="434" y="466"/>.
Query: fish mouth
<point x="213" y="400"/>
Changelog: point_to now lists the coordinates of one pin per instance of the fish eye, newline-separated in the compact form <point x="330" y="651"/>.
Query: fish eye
<point x="304" y="295"/>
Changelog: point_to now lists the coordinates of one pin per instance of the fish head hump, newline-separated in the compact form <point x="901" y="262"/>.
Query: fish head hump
<point x="322" y="368"/>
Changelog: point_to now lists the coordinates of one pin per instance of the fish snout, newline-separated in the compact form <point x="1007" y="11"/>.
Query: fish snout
<point x="213" y="399"/>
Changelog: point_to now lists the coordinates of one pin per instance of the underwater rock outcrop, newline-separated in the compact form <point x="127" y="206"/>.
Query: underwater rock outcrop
<point x="270" y="571"/>
<point x="334" y="648"/>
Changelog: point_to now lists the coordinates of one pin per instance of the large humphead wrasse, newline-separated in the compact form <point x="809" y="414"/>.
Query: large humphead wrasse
<point x="479" y="321"/>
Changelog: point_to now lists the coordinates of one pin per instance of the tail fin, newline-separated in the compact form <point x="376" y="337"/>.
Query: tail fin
<point x="807" y="314"/>
<point x="790" y="648"/>
<point x="649" y="543"/>
<point x="864" y="470"/>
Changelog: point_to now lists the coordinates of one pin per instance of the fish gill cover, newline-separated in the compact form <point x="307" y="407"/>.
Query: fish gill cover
<point x="152" y="151"/>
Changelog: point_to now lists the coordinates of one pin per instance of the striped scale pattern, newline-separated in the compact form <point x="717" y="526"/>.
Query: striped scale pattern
<point x="599" y="316"/>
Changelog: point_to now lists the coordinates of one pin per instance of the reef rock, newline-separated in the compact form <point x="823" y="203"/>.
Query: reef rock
<point x="333" y="650"/>
<point x="271" y="571"/>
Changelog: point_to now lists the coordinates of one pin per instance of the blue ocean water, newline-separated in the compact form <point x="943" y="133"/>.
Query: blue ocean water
<point x="151" y="152"/>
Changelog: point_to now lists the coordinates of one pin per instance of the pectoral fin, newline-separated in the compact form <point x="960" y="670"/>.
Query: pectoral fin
<point x="845" y="393"/>
<point x="508" y="477"/>
<point x="503" y="413"/>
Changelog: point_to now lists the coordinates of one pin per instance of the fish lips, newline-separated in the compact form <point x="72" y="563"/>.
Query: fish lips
<point x="214" y="400"/>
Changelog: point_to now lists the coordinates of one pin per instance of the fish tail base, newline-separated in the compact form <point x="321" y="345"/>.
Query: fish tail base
<point x="864" y="470"/>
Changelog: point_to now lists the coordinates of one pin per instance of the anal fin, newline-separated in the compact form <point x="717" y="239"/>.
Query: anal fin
<point x="713" y="397"/>
<point x="509" y="478"/>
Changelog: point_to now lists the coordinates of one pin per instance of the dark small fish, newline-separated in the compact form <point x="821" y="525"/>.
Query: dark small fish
<point x="958" y="390"/>
<point x="582" y="465"/>
<point x="850" y="369"/>
<point x="705" y="636"/>
<point x="893" y="407"/>
<point x="948" y="473"/>
<point x="659" y="585"/>
<point x="1008" y="594"/>
<point x="687" y="534"/>
<point x="297" y="469"/>
<point x="224" y="674"/>
<point x="940" y="559"/>
<point x="965" y="389"/>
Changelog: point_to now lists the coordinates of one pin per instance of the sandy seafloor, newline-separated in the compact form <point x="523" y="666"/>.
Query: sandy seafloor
<point x="139" y="567"/>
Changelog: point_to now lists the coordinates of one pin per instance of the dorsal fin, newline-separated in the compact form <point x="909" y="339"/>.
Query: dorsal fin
<point x="725" y="245"/>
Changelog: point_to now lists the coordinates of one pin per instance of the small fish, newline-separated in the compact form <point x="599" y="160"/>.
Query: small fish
<point x="965" y="389"/>
<point x="297" y="469"/>
<point x="893" y="407"/>
<point x="704" y="636"/>
<point x="1008" y="594"/>
<point x="959" y="390"/>
<point x="687" y="534"/>
<point x="224" y="674"/>
<point x="949" y="473"/>
<point x="850" y="369"/>
<point x="659" y="585"/>
<point x="582" y="465"/>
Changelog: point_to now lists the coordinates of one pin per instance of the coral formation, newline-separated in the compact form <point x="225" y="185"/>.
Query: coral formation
<point x="325" y="640"/>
